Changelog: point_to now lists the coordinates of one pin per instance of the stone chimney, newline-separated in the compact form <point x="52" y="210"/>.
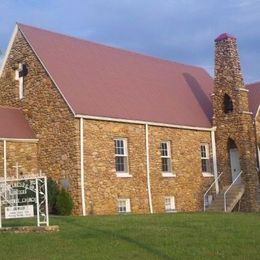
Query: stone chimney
<point x="233" y="121"/>
<point x="228" y="75"/>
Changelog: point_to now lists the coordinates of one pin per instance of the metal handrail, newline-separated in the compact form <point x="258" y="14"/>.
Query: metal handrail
<point x="225" y="193"/>
<point x="205" y="194"/>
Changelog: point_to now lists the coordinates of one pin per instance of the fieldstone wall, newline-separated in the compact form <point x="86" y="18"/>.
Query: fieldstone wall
<point x="236" y="125"/>
<point x="189" y="185"/>
<point x="257" y="123"/>
<point x="48" y="115"/>
<point x="257" y="126"/>
<point x="103" y="187"/>
<point x="23" y="153"/>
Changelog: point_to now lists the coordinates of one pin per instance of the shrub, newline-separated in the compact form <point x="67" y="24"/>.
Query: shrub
<point x="64" y="203"/>
<point x="53" y="191"/>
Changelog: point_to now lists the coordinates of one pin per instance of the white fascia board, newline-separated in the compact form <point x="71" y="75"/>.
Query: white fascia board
<point x="19" y="140"/>
<point x="9" y="47"/>
<point x="144" y="123"/>
<point x="48" y="73"/>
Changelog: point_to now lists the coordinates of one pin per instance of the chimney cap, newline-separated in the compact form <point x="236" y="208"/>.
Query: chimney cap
<point x="224" y="36"/>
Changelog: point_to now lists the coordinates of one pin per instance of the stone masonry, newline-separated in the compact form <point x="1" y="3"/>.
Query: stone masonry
<point x="189" y="185"/>
<point x="103" y="187"/>
<point x="236" y="125"/>
<point x="258" y="129"/>
<point x="48" y="115"/>
<point x="23" y="153"/>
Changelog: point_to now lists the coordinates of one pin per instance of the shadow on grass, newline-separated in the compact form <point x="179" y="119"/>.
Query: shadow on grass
<point x="127" y="239"/>
<point x="139" y="244"/>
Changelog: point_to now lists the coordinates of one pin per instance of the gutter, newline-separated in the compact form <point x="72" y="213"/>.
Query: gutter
<point x="5" y="160"/>
<point x="140" y="122"/>
<point x="20" y="140"/>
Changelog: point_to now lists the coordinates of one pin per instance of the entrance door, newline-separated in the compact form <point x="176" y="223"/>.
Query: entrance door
<point x="235" y="164"/>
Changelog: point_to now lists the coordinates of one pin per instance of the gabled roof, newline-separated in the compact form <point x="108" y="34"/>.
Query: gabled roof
<point x="13" y="124"/>
<point x="102" y="81"/>
<point x="254" y="97"/>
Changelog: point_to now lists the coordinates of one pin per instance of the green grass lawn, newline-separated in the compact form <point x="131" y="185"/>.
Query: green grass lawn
<point x="168" y="236"/>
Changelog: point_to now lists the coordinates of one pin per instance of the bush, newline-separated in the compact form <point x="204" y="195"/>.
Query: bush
<point x="53" y="191"/>
<point x="64" y="203"/>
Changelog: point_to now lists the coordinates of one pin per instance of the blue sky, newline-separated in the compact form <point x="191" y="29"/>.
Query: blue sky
<point x="180" y="30"/>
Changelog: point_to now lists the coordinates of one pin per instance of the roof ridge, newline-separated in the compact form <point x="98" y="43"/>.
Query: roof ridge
<point x="114" y="47"/>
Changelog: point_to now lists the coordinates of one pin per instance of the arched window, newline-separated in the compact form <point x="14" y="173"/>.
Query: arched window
<point x="228" y="104"/>
<point x="231" y="144"/>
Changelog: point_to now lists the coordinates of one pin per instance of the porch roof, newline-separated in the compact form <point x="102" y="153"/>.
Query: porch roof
<point x="13" y="124"/>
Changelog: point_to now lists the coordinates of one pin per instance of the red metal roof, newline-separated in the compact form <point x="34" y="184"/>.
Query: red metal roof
<point x="254" y="96"/>
<point x="98" y="80"/>
<point x="13" y="124"/>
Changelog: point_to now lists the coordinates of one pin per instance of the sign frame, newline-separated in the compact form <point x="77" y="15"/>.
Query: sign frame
<point x="9" y="194"/>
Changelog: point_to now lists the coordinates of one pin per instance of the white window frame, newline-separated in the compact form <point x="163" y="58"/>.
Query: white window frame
<point x="169" y="204"/>
<point x="206" y="157"/>
<point x="124" y="173"/>
<point x="169" y="173"/>
<point x="127" y="206"/>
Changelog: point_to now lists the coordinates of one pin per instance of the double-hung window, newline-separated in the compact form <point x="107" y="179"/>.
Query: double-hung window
<point x="121" y="155"/>
<point x="205" y="160"/>
<point x="124" y="205"/>
<point x="169" y="204"/>
<point x="165" y="148"/>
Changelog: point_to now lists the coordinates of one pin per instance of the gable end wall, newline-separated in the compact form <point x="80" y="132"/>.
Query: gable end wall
<point x="48" y="115"/>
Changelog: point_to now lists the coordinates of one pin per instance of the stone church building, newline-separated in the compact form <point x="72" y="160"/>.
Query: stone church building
<point x="125" y="132"/>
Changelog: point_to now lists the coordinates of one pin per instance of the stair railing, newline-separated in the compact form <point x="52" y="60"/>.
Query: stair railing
<point x="206" y="193"/>
<point x="230" y="186"/>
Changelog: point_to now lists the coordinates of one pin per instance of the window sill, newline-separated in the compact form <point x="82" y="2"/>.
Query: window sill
<point x="124" y="213"/>
<point x="171" y="211"/>
<point x="123" y="175"/>
<point x="168" y="174"/>
<point x="207" y="174"/>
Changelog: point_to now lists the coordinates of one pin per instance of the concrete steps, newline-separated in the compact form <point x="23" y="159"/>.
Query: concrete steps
<point x="233" y="196"/>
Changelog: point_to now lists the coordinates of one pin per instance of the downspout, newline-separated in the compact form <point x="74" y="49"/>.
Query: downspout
<point x="214" y="154"/>
<point x="257" y="148"/>
<point x="258" y="151"/>
<point x="5" y="167"/>
<point x="5" y="161"/>
<point x="148" y="169"/>
<point x="82" y="183"/>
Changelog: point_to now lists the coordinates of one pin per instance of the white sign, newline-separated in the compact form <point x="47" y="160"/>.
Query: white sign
<point x="19" y="211"/>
